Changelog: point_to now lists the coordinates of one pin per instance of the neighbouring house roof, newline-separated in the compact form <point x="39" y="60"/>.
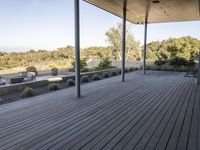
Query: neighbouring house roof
<point x="157" y="11"/>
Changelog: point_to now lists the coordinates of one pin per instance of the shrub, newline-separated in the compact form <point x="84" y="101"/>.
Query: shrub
<point x="104" y="63"/>
<point x="126" y="70"/>
<point x="160" y="62"/>
<point x="31" y="69"/>
<point x="99" y="68"/>
<point x="28" y="92"/>
<point x="71" y="69"/>
<point x="81" y="70"/>
<point x="54" y="71"/>
<point x="106" y="75"/>
<point x="131" y="69"/>
<point x="70" y="82"/>
<point x="53" y="87"/>
<point x="190" y="65"/>
<point x="113" y="73"/>
<point x="83" y="64"/>
<point x="84" y="79"/>
<point x="136" y="69"/>
<point x="177" y="62"/>
<point x="147" y="67"/>
<point x="119" y="72"/>
<point x="96" y="77"/>
<point x="85" y="70"/>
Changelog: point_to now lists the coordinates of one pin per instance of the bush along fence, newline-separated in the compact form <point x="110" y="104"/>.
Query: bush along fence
<point x="175" y="64"/>
<point x="54" y="83"/>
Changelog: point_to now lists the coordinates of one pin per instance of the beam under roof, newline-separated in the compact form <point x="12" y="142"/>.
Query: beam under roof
<point x="159" y="11"/>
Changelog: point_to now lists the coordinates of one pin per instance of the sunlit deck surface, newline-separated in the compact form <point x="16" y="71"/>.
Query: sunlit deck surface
<point x="160" y="111"/>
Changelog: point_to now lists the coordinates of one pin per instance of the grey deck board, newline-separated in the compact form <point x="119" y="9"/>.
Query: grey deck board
<point x="73" y="135"/>
<point x="160" y="120"/>
<point x="36" y="124"/>
<point x="159" y="131"/>
<point x="101" y="134"/>
<point x="105" y="126"/>
<point x="177" y="129"/>
<point x="186" y="126"/>
<point x="152" y="123"/>
<point x="160" y="110"/>
<point x="170" y="132"/>
<point x="193" y="134"/>
<point x="118" y="142"/>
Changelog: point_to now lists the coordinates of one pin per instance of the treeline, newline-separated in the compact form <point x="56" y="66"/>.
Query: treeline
<point x="185" y="47"/>
<point x="44" y="57"/>
<point x="25" y="59"/>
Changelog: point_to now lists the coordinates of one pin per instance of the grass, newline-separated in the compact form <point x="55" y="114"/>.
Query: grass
<point x="43" y="66"/>
<point x="28" y="92"/>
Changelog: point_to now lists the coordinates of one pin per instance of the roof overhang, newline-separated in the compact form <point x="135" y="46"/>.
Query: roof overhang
<point x="157" y="12"/>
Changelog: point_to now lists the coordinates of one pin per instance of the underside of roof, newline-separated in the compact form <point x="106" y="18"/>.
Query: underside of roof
<point x="156" y="11"/>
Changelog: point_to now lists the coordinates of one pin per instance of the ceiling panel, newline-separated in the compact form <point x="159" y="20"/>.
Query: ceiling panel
<point x="164" y="11"/>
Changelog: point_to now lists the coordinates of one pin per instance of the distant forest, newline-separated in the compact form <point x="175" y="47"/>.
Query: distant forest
<point x="185" y="47"/>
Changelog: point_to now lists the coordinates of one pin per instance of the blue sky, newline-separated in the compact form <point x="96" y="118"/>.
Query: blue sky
<point x="49" y="24"/>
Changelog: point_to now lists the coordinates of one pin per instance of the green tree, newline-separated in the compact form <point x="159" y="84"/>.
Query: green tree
<point x="184" y="47"/>
<point x="114" y="38"/>
<point x="97" y="53"/>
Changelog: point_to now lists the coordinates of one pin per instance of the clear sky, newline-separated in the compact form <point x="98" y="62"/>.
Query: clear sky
<point x="49" y="24"/>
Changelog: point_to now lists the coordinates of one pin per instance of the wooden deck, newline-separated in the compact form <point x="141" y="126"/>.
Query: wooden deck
<point x="156" y="111"/>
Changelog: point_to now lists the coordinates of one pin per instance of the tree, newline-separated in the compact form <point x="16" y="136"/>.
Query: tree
<point x="114" y="38"/>
<point x="184" y="47"/>
<point x="97" y="53"/>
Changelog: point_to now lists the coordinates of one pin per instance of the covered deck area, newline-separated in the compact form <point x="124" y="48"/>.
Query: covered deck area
<point x="160" y="110"/>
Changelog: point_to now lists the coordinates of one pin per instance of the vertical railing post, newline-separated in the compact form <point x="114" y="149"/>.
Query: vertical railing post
<point x="145" y="47"/>
<point x="77" y="47"/>
<point x="123" y="40"/>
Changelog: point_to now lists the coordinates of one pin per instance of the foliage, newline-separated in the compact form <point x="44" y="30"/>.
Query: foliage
<point x="113" y="73"/>
<point x="167" y="68"/>
<point x="42" y="59"/>
<point x="53" y="87"/>
<point x="85" y="70"/>
<point x="54" y="71"/>
<point x="31" y="69"/>
<point x="184" y="47"/>
<point x="160" y="62"/>
<point x="114" y="37"/>
<point x="131" y="69"/>
<point x="70" y="82"/>
<point x="126" y="70"/>
<point x="190" y="65"/>
<point x="28" y="92"/>
<point x="177" y="62"/>
<point x="99" y="68"/>
<point x="84" y="79"/>
<point x="106" y="75"/>
<point x="97" y="53"/>
<point x="105" y="63"/>
<point x="81" y="70"/>
<point x="83" y="64"/>
<point x="96" y="77"/>
<point x="119" y="72"/>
